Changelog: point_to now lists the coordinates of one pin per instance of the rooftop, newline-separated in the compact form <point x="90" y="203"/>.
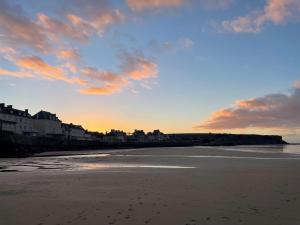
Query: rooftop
<point x="11" y="111"/>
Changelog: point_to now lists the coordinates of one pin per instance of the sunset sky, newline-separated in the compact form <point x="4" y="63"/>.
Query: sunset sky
<point x="177" y="65"/>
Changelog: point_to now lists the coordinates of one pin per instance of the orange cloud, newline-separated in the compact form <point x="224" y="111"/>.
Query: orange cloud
<point x="139" y="5"/>
<point x="19" y="74"/>
<point x="39" y="67"/>
<point x="278" y="111"/>
<point x="104" y="90"/>
<point x="251" y="104"/>
<point x="107" y="82"/>
<point x="275" y="11"/>
<point x="70" y="54"/>
<point x="50" y="36"/>
<point x="137" y="67"/>
<point x="98" y="22"/>
<point x="19" y="30"/>
<point x="57" y="29"/>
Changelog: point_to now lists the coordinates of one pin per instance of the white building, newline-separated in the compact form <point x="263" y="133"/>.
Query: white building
<point x="75" y="132"/>
<point x="47" y="124"/>
<point x="16" y="121"/>
<point x="41" y="124"/>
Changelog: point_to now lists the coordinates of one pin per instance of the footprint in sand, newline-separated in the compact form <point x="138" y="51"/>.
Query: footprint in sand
<point x="127" y="217"/>
<point x="147" y="221"/>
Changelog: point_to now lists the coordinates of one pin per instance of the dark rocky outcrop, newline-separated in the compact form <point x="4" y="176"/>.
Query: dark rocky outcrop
<point x="12" y="145"/>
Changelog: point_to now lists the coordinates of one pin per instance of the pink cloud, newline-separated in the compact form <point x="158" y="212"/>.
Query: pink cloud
<point x="97" y="23"/>
<point x="68" y="54"/>
<point x="103" y="82"/>
<point x="272" y="111"/>
<point x="135" y="67"/>
<point x="35" y="67"/>
<point x="18" y="30"/>
<point x="55" y="37"/>
<point x="275" y="11"/>
<point x="20" y="74"/>
<point x="139" y="5"/>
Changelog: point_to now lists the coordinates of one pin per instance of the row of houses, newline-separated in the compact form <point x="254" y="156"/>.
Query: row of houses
<point x="47" y="124"/>
<point x="41" y="124"/>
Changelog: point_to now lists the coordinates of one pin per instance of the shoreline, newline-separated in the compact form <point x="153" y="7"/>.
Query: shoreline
<point x="154" y="186"/>
<point x="24" y="146"/>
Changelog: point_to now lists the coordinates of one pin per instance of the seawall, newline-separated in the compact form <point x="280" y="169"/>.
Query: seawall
<point x="12" y="145"/>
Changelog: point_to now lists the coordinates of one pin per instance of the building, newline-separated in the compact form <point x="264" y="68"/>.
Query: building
<point x="16" y="121"/>
<point x="138" y="136"/>
<point x="115" y="136"/>
<point x="41" y="124"/>
<point x="156" y="135"/>
<point x="75" y="132"/>
<point x="7" y="126"/>
<point x="47" y="124"/>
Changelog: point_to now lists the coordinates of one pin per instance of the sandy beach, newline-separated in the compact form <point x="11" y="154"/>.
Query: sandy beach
<point x="176" y="186"/>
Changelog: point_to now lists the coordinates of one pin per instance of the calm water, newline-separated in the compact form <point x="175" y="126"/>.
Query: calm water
<point x="119" y="159"/>
<point x="289" y="149"/>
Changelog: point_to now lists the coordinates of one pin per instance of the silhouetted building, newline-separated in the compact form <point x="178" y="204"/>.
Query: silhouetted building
<point x="47" y="124"/>
<point x="115" y="136"/>
<point x="156" y="135"/>
<point x="16" y="121"/>
<point x="75" y="132"/>
<point x="139" y="136"/>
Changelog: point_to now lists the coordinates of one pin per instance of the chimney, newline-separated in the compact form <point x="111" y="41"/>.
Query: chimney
<point x="26" y="111"/>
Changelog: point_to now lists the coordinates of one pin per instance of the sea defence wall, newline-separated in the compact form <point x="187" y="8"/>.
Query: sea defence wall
<point x="12" y="145"/>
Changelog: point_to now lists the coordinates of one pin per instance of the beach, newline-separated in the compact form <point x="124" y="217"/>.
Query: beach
<point x="161" y="186"/>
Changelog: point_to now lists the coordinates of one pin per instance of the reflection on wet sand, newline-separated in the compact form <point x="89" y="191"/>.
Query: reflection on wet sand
<point x="159" y="158"/>
<point x="92" y="166"/>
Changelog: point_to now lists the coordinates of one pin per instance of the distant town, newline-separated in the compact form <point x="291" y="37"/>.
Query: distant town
<point x="23" y="134"/>
<point x="47" y="124"/>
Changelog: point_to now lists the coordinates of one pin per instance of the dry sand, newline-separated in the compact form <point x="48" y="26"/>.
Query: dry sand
<point x="154" y="186"/>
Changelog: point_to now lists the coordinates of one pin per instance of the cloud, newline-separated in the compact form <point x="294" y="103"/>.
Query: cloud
<point x="28" y="39"/>
<point x="103" y="82"/>
<point x="140" y="5"/>
<point x="216" y="4"/>
<point x="137" y="67"/>
<point x="45" y="34"/>
<point x="276" y="111"/>
<point x="186" y="43"/>
<point x="134" y="67"/>
<point x="68" y="54"/>
<point x="275" y="11"/>
<point x="20" y="74"/>
<point x="57" y="29"/>
<point x="296" y="84"/>
<point x="18" y="30"/>
<point x="159" y="47"/>
<point x="35" y="67"/>
<point x="97" y="23"/>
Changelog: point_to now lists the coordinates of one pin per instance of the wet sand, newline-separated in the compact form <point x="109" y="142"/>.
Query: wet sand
<point x="184" y="186"/>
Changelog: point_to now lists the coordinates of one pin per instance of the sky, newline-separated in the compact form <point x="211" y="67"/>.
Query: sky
<point x="176" y="65"/>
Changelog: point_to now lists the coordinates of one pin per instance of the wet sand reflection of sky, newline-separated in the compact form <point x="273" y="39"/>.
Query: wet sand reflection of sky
<point x="119" y="159"/>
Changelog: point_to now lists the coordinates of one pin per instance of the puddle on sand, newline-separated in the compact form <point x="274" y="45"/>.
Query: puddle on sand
<point x="80" y="156"/>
